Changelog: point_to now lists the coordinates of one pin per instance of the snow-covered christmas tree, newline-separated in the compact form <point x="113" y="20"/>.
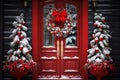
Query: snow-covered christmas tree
<point x="19" y="57"/>
<point x="99" y="53"/>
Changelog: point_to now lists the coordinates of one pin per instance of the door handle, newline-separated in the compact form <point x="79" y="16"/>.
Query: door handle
<point x="62" y="50"/>
<point x="58" y="50"/>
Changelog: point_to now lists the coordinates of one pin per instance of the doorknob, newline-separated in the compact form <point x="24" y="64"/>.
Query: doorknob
<point x="61" y="49"/>
<point x="58" y="50"/>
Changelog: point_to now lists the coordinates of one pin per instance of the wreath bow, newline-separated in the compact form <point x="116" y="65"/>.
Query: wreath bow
<point x="60" y="16"/>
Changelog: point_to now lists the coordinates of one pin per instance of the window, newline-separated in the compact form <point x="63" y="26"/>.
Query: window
<point x="71" y="39"/>
<point x="48" y="37"/>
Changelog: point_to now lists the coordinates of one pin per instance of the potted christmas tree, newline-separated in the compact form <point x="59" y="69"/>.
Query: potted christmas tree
<point x="99" y="62"/>
<point x="19" y="61"/>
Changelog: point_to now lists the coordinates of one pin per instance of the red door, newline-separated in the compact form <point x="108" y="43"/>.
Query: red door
<point x="60" y="58"/>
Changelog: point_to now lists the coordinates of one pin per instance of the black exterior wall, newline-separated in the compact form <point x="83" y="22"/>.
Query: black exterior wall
<point x="11" y="8"/>
<point x="110" y="10"/>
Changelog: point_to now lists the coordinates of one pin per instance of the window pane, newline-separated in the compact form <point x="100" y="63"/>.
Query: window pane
<point x="48" y="38"/>
<point x="71" y="38"/>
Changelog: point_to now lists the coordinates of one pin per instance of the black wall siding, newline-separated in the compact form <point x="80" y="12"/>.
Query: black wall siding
<point x="1" y="35"/>
<point x="12" y="8"/>
<point x="111" y="10"/>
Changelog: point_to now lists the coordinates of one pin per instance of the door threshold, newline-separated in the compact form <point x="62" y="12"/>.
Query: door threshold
<point x="63" y="77"/>
<point x="59" y="79"/>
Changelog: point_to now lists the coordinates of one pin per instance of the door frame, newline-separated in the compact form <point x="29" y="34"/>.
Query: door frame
<point x="84" y="41"/>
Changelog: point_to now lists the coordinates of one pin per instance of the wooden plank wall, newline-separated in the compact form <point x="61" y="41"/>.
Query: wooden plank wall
<point x="11" y="8"/>
<point x="1" y="40"/>
<point x="111" y="10"/>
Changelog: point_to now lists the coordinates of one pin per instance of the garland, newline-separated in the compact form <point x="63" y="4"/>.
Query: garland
<point x="59" y="22"/>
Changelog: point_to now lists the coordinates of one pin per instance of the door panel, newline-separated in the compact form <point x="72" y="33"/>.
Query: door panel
<point x="48" y="49"/>
<point x="71" y="52"/>
<point x="56" y="56"/>
<point x="52" y="65"/>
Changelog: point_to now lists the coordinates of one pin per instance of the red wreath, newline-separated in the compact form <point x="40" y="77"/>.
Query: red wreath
<point x="59" y="22"/>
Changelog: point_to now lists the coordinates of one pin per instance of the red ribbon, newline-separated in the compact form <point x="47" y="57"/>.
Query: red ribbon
<point x="25" y="66"/>
<point x="60" y="16"/>
<point x="21" y="61"/>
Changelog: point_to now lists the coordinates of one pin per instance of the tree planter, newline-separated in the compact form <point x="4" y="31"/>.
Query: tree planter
<point x="19" y="74"/>
<point x="99" y="70"/>
<point x="99" y="74"/>
<point x="19" y="68"/>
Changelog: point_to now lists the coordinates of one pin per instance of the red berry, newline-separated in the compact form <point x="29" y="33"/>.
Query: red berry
<point x="101" y="39"/>
<point x="19" y="33"/>
<point x="101" y="26"/>
<point x="97" y="40"/>
<point x="17" y="41"/>
<point x="19" y="27"/>
<point x="21" y="37"/>
<point x="54" y="33"/>
<point x="94" y="24"/>
<point x="96" y="50"/>
<point x="21" y="48"/>
<point x="107" y="55"/>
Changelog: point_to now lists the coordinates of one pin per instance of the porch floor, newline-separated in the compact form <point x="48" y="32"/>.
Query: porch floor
<point x="63" y="77"/>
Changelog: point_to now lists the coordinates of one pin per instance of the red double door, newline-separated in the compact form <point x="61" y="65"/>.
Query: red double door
<point x="56" y="57"/>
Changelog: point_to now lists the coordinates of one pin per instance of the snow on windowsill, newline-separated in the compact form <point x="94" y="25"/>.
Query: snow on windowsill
<point x="75" y="57"/>
<point x="49" y="70"/>
<point x="44" y="57"/>
<point x="71" y="70"/>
